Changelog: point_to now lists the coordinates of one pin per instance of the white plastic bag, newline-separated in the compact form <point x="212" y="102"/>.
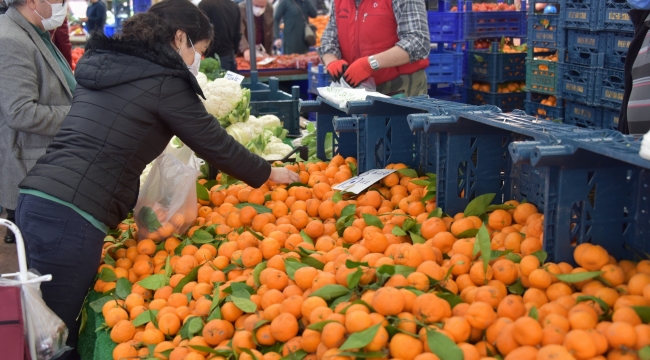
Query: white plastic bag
<point x="167" y="201"/>
<point x="45" y="332"/>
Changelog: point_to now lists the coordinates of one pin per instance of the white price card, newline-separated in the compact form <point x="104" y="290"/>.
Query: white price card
<point x="234" y="77"/>
<point x="359" y="183"/>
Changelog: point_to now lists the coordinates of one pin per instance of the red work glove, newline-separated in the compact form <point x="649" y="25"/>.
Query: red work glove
<point x="336" y="69"/>
<point x="358" y="72"/>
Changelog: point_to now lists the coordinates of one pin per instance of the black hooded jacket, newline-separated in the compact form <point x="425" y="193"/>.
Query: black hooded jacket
<point x="640" y="30"/>
<point x="130" y="100"/>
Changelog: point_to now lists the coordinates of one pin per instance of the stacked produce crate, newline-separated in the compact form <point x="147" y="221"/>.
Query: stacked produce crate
<point x="445" y="71"/>
<point x="598" y="33"/>
<point x="546" y="40"/>
<point x="496" y="69"/>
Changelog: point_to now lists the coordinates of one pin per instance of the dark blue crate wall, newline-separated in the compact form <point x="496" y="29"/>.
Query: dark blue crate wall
<point x="586" y="47"/>
<point x="582" y="115"/>
<point x="445" y="67"/>
<point x="617" y="45"/>
<point x="505" y="101"/>
<point x="496" y="67"/>
<point x="610" y="88"/>
<point x="488" y="24"/>
<point x="580" y="14"/>
<point x="610" y="119"/>
<point x="614" y="16"/>
<point x="445" y="26"/>
<point x="576" y="83"/>
<point x="544" y="31"/>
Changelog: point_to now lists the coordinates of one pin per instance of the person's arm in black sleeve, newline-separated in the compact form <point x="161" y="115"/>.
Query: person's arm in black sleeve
<point x="181" y="109"/>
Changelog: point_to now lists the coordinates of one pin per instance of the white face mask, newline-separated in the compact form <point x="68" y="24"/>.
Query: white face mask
<point x="258" y="10"/>
<point x="59" y="12"/>
<point x="194" y="67"/>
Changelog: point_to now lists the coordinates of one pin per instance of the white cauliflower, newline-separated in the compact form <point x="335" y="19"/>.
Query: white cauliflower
<point x="226" y="100"/>
<point x="275" y="149"/>
<point x="242" y="132"/>
<point x="269" y="121"/>
<point x="202" y="80"/>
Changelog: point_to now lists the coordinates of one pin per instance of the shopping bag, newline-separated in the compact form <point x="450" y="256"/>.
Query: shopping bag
<point x="45" y="332"/>
<point x="12" y="330"/>
<point x="167" y="201"/>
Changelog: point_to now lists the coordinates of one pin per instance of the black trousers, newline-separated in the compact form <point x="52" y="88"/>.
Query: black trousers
<point x="62" y="243"/>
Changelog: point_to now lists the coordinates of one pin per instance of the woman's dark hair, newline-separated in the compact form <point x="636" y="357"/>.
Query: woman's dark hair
<point x="160" y="23"/>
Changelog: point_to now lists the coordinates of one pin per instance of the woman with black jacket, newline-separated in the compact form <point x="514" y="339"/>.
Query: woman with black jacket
<point x="134" y="93"/>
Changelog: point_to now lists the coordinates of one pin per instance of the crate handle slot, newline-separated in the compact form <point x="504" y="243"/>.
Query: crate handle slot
<point x="346" y="124"/>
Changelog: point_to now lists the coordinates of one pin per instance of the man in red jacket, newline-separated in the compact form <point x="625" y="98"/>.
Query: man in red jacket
<point x="386" y="40"/>
<point x="61" y="39"/>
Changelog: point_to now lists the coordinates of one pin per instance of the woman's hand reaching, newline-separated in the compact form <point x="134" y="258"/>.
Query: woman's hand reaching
<point x="280" y="175"/>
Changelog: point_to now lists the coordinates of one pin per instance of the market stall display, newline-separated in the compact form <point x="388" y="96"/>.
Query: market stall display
<point x="293" y="61"/>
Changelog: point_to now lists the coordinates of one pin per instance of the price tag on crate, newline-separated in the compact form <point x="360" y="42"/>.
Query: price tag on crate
<point x="234" y="77"/>
<point x="359" y="183"/>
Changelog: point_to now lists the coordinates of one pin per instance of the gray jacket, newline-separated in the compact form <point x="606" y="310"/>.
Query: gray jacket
<point x="35" y="99"/>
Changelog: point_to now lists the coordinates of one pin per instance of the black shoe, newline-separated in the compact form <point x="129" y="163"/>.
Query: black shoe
<point x="10" y="238"/>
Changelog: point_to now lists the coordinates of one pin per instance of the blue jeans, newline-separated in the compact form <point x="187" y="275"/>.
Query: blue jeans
<point x="62" y="243"/>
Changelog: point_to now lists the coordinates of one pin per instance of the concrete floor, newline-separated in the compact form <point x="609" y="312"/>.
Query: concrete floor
<point x="8" y="256"/>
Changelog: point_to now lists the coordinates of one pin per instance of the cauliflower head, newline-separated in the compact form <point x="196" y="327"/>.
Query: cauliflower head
<point x="226" y="101"/>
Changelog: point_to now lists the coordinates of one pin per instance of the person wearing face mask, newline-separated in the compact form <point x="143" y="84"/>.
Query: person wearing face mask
<point x="294" y="14"/>
<point x="263" y="12"/>
<point x="95" y="16"/>
<point x="633" y="118"/>
<point x="135" y="91"/>
<point x="36" y="91"/>
<point x="224" y="16"/>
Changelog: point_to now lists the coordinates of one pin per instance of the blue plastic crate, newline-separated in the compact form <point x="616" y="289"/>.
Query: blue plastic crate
<point x="493" y="66"/>
<point x="445" y="25"/>
<point x="491" y="24"/>
<point x="610" y="88"/>
<point x="543" y="31"/>
<point x="270" y="100"/>
<point x="610" y="119"/>
<point x="445" y="67"/>
<point x="507" y="102"/>
<point x="580" y="14"/>
<point x="535" y="108"/>
<point x="577" y="83"/>
<point x="614" y="16"/>
<point x="566" y="172"/>
<point x="617" y="45"/>
<point x="317" y="76"/>
<point x="583" y="115"/>
<point x="586" y="48"/>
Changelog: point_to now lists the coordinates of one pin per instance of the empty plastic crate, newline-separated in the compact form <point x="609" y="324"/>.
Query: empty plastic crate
<point x="617" y="45"/>
<point x="445" y="25"/>
<point x="534" y="107"/>
<point x="614" y="16"/>
<point x="586" y="48"/>
<point x="271" y="100"/>
<point x="577" y="83"/>
<point x="610" y="119"/>
<point x="543" y="31"/>
<point x="583" y="115"/>
<point x="445" y="67"/>
<point x="317" y="77"/>
<point x="493" y="66"/>
<point x="542" y="76"/>
<point x="494" y="24"/>
<point x="610" y="88"/>
<point x="507" y="102"/>
<point x="580" y="14"/>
